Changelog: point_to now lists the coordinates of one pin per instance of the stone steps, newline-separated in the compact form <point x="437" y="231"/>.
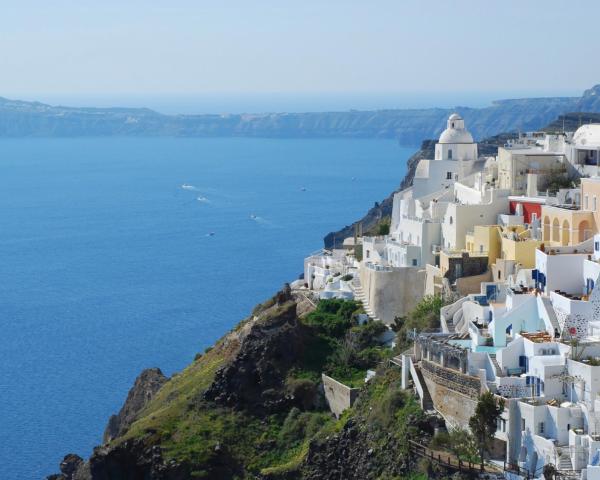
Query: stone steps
<point x="359" y="295"/>
<point x="496" y="365"/>
<point x="427" y="402"/>
<point x="564" y="463"/>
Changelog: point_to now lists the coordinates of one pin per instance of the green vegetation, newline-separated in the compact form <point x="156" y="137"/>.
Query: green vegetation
<point x="457" y="441"/>
<point x="382" y="227"/>
<point x="345" y="349"/>
<point x="558" y="180"/>
<point x="483" y="422"/>
<point x="425" y="316"/>
<point x="193" y="430"/>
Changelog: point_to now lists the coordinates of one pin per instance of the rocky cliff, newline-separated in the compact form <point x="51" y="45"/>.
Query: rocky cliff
<point x="251" y="407"/>
<point x="145" y="387"/>
<point x="409" y="126"/>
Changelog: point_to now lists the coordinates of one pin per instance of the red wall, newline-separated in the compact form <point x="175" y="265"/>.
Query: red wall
<point x="528" y="209"/>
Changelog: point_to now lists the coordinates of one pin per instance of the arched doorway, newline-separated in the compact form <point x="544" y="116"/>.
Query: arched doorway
<point x="585" y="231"/>
<point x="566" y="233"/>
<point x="556" y="231"/>
<point x="546" y="228"/>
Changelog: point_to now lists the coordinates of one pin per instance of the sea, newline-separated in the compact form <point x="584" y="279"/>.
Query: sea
<point x="119" y="254"/>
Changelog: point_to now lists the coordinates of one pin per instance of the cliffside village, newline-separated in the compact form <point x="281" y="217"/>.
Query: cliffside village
<point x="518" y="261"/>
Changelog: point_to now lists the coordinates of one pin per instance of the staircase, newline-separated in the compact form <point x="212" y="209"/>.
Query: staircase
<point x="426" y="401"/>
<point x="564" y="462"/>
<point x="496" y="365"/>
<point x="547" y="304"/>
<point x="359" y="295"/>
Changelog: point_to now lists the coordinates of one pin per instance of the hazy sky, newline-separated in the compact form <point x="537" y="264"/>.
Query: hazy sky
<point x="190" y="47"/>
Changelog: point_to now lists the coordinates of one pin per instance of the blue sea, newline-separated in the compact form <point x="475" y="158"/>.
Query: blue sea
<point x="118" y="254"/>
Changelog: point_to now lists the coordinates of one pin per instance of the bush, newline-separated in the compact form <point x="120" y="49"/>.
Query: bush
<point x="347" y="277"/>
<point x="333" y="317"/>
<point x="457" y="441"/>
<point x="304" y="392"/>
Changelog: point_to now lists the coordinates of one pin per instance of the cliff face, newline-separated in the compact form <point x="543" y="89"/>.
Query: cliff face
<point x="250" y="407"/>
<point x="145" y="387"/>
<point x="408" y="126"/>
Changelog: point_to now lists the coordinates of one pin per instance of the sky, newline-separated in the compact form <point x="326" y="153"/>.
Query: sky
<point x="144" y="48"/>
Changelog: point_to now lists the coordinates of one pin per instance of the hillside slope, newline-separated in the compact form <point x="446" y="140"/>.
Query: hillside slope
<point x="408" y="126"/>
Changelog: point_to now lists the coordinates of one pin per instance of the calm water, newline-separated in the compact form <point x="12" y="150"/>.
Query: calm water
<point x="107" y="266"/>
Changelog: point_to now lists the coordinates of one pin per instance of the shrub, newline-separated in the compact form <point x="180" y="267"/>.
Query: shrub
<point x="347" y="277"/>
<point x="303" y="390"/>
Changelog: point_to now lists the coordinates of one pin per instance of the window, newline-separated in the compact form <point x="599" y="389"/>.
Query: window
<point x="448" y="175"/>
<point x="596" y="246"/>
<point x="541" y="427"/>
<point x="414" y="262"/>
<point x="522" y="424"/>
<point x="449" y="154"/>
<point x="586" y="203"/>
<point x="451" y="220"/>
<point x="368" y="252"/>
<point x="594" y="203"/>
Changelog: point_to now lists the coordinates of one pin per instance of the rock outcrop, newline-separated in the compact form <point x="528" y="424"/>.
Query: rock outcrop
<point x="255" y="378"/>
<point x="145" y="387"/>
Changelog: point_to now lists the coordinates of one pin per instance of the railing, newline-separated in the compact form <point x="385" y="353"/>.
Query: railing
<point x="451" y="462"/>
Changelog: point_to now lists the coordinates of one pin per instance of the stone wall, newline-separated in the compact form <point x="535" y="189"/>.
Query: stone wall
<point x="393" y="292"/>
<point x="469" y="266"/>
<point x="339" y="397"/>
<point x="459" y="382"/>
<point x="455" y="407"/>
<point x="472" y="284"/>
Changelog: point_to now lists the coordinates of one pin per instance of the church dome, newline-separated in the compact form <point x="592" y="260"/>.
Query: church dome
<point x="455" y="131"/>
<point x="587" y="135"/>
<point x="456" y="135"/>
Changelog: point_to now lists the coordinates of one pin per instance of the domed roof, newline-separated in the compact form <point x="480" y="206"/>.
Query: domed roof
<point x="588" y="135"/>
<point x="456" y="135"/>
<point x="455" y="116"/>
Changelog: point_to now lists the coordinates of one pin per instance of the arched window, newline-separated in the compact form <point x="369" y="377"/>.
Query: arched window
<point x="451" y="220"/>
<point x="546" y="228"/>
<point x="556" y="230"/>
<point x="566" y="233"/>
<point x="584" y="231"/>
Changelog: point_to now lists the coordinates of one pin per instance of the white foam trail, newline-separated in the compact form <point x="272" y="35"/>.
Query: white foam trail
<point x="203" y="199"/>
<point x="261" y="220"/>
<point x="186" y="186"/>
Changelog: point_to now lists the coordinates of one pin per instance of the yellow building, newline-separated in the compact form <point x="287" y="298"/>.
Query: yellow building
<point x="570" y="224"/>
<point x="484" y="239"/>
<point x="518" y="246"/>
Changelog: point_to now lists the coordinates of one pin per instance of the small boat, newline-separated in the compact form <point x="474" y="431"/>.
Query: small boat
<point x="253" y="217"/>
<point x="210" y="234"/>
<point x="303" y="189"/>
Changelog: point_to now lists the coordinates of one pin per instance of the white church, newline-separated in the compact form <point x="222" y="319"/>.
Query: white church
<point x="418" y="211"/>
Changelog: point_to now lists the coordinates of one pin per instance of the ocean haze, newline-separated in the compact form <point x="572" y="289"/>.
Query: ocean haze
<point x="277" y="102"/>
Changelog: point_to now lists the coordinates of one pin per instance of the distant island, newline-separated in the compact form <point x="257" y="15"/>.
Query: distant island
<point x="407" y="126"/>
